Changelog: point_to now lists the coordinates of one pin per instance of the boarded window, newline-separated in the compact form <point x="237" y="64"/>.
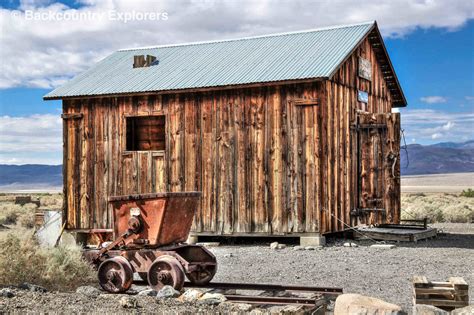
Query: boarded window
<point x="145" y="133"/>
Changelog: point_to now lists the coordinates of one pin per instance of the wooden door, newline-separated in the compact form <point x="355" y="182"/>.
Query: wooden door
<point x="378" y="174"/>
<point x="72" y="153"/>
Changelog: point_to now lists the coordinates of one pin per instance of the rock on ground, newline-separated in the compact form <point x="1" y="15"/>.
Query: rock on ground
<point x="167" y="292"/>
<point x="274" y="245"/>
<point x="88" y="290"/>
<point x="32" y="287"/>
<point x="463" y="311"/>
<point x="128" y="302"/>
<point x="350" y="244"/>
<point x="212" y="298"/>
<point x="191" y="295"/>
<point x="364" y="305"/>
<point x="6" y="292"/>
<point x="383" y="246"/>
<point x="422" y="309"/>
<point x="241" y="307"/>
<point x="147" y="292"/>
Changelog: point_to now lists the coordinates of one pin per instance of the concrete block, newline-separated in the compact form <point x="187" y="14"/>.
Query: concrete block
<point x="316" y="240"/>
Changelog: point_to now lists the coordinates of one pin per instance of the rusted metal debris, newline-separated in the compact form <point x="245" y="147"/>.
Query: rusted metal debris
<point x="23" y="200"/>
<point x="267" y="287"/>
<point x="274" y="294"/>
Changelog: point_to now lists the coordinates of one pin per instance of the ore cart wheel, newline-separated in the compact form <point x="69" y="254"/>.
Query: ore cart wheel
<point x="166" y="270"/>
<point x="203" y="275"/>
<point x="115" y="275"/>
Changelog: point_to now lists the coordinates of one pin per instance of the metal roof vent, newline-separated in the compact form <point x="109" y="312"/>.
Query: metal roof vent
<point x="140" y="61"/>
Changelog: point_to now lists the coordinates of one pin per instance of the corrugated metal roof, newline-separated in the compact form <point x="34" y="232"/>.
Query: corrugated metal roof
<point x="279" y="57"/>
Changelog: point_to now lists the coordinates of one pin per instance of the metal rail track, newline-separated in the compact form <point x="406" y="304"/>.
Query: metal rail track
<point x="265" y="287"/>
<point x="321" y="294"/>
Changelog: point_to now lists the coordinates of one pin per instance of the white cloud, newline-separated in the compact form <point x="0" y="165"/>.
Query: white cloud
<point x="433" y="99"/>
<point x="31" y="139"/>
<point x="469" y="98"/>
<point x="448" y="126"/>
<point x="426" y="125"/>
<point x="45" y="53"/>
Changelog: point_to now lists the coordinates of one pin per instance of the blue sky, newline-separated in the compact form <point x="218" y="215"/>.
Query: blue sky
<point x="430" y="47"/>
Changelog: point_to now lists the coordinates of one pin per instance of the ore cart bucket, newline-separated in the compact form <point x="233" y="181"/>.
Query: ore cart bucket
<point x="166" y="217"/>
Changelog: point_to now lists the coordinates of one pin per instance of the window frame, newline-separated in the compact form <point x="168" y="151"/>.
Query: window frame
<point x="126" y="119"/>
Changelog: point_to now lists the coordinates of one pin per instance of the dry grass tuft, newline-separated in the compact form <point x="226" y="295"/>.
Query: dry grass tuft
<point x="23" y="260"/>
<point x="51" y="201"/>
<point x="11" y="213"/>
<point x="438" y="207"/>
<point x="27" y="219"/>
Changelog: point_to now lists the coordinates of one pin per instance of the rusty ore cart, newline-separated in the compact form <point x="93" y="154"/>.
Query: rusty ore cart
<point x="149" y="235"/>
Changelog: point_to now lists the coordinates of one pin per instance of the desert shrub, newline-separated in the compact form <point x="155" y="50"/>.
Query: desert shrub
<point x="469" y="193"/>
<point x="19" y="261"/>
<point x="8" y="216"/>
<point x="51" y="201"/>
<point x="27" y="219"/>
<point x="23" y="260"/>
<point x="10" y="212"/>
<point x="438" y="207"/>
<point x="458" y="214"/>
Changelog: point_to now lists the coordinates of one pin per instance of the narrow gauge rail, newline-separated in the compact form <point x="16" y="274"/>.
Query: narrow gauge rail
<point x="322" y="294"/>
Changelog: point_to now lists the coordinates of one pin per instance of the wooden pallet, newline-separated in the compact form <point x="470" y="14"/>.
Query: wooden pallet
<point x="445" y="295"/>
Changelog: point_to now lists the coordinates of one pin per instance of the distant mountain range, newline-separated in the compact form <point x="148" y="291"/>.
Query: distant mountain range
<point x="440" y="158"/>
<point x="30" y="177"/>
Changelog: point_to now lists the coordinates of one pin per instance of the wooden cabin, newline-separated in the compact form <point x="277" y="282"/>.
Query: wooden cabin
<point x="287" y="134"/>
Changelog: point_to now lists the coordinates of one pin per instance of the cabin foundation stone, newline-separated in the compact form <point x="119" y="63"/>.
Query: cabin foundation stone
<point x="312" y="241"/>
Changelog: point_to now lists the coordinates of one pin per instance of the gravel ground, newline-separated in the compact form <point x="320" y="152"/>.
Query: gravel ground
<point x="72" y="303"/>
<point x="382" y="273"/>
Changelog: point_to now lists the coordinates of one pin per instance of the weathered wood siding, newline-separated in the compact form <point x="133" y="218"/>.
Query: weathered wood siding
<point x="264" y="163"/>
<point x="252" y="152"/>
<point x="341" y="161"/>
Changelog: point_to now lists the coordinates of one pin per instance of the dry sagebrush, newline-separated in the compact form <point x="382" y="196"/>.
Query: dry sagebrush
<point x="51" y="201"/>
<point x="438" y="207"/>
<point x="11" y="213"/>
<point x="23" y="260"/>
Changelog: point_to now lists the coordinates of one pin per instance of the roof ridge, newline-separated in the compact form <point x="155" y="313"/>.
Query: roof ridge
<point x="325" y="28"/>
